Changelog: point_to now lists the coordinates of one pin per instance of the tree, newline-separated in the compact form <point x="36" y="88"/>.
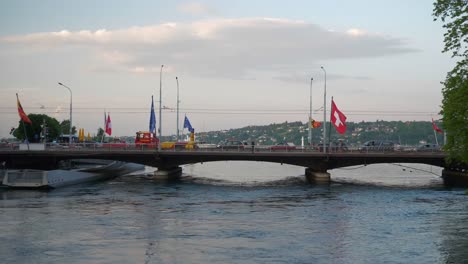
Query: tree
<point x="35" y="131"/>
<point x="65" y="127"/>
<point x="454" y="13"/>
<point x="100" y="134"/>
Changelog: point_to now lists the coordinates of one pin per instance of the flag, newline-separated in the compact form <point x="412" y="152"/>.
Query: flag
<point x="314" y="124"/>
<point x="21" y="112"/>
<point x="188" y="125"/>
<point x="152" y="122"/>
<point x="338" y="119"/>
<point x="435" y="127"/>
<point x="108" y="125"/>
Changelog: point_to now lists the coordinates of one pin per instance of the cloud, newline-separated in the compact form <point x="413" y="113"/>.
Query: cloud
<point x="301" y="78"/>
<point x="225" y="48"/>
<point x="193" y="8"/>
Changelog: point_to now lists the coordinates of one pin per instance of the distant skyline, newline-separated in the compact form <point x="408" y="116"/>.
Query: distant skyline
<point x="239" y="63"/>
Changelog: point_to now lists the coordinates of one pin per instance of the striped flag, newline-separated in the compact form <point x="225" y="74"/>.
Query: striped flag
<point x="21" y="112"/>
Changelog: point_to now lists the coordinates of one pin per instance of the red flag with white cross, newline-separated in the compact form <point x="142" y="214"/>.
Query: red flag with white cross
<point x="338" y="119"/>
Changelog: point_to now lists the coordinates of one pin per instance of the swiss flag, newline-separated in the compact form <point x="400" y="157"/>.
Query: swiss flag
<point x="338" y="119"/>
<point x="436" y="128"/>
<point x="108" y="125"/>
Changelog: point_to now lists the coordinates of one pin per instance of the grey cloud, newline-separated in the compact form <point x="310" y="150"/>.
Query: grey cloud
<point x="301" y="78"/>
<point x="226" y="48"/>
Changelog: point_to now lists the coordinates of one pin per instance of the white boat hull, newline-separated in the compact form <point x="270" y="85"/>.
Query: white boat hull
<point x="99" y="170"/>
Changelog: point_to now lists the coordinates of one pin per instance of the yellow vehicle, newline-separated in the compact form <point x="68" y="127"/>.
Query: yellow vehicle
<point x="180" y="145"/>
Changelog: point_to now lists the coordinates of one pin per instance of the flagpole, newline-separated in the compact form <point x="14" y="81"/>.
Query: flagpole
<point x="160" y="104"/>
<point x="71" y="111"/>
<point x="329" y="127"/>
<point x="324" y="111"/>
<point x="25" y="133"/>
<point x="310" y="113"/>
<point x="177" y="122"/>
<point x="104" y="130"/>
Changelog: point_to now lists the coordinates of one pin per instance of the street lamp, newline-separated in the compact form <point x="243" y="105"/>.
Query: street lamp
<point x="71" y="102"/>
<point x="310" y="113"/>
<point x="324" y="111"/>
<point x="160" y="104"/>
<point x="177" y="80"/>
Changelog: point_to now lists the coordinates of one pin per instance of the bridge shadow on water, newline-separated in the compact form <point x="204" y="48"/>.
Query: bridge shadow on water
<point x="246" y="173"/>
<point x="256" y="174"/>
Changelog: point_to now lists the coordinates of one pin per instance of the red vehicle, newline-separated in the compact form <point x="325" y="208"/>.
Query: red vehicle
<point x="146" y="139"/>
<point x="114" y="144"/>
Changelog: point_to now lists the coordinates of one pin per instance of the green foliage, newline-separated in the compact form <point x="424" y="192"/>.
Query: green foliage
<point x="100" y="133"/>
<point x="405" y="133"/>
<point x="65" y="127"/>
<point x="454" y="13"/>
<point x="455" y="110"/>
<point x="35" y="131"/>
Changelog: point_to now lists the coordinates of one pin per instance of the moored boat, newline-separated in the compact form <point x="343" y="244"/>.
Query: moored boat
<point x="70" y="172"/>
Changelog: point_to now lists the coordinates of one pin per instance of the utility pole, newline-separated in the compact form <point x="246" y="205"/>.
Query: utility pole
<point x="160" y="107"/>
<point x="310" y="113"/>
<point x="324" y="112"/>
<point x="178" y="101"/>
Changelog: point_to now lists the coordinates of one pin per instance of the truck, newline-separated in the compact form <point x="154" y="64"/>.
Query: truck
<point x="145" y="139"/>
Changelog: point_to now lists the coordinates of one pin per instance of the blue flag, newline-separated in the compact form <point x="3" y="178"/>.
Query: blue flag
<point x="152" y="122"/>
<point x="187" y="124"/>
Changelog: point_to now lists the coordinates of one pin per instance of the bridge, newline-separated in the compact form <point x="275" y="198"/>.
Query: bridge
<point x="168" y="161"/>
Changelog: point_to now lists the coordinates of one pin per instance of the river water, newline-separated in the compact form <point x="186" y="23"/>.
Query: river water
<point x="241" y="212"/>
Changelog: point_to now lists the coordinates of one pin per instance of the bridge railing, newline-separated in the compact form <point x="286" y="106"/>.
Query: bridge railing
<point x="211" y="147"/>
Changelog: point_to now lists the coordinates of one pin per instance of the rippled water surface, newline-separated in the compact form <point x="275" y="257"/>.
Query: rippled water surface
<point x="232" y="212"/>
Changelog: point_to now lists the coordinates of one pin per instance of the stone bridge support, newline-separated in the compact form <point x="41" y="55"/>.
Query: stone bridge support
<point x="317" y="176"/>
<point x="164" y="173"/>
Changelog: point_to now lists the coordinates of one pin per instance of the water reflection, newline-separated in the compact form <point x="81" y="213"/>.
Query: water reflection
<point x="135" y="220"/>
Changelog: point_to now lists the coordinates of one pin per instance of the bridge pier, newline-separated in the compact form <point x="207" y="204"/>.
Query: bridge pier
<point x="454" y="178"/>
<point x="317" y="177"/>
<point x="167" y="173"/>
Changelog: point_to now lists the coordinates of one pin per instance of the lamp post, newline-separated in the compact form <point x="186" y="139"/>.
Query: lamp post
<point x="71" y="111"/>
<point x="160" y="104"/>
<point x="310" y="113"/>
<point x="324" y="111"/>
<point x="177" y="80"/>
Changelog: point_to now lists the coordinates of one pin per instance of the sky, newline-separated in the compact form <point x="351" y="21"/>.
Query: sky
<point x="238" y="63"/>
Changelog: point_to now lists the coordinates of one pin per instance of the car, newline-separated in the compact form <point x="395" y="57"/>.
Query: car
<point x="233" y="145"/>
<point x="333" y="147"/>
<point x="377" y="145"/>
<point x="283" y="146"/>
<point x="428" y="147"/>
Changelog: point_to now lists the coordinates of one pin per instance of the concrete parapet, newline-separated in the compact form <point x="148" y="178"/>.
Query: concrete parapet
<point x="317" y="177"/>
<point x="167" y="173"/>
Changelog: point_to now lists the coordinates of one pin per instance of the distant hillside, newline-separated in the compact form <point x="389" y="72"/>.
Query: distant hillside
<point x="406" y="133"/>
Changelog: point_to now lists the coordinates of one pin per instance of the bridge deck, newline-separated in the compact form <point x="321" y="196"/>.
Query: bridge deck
<point x="169" y="159"/>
